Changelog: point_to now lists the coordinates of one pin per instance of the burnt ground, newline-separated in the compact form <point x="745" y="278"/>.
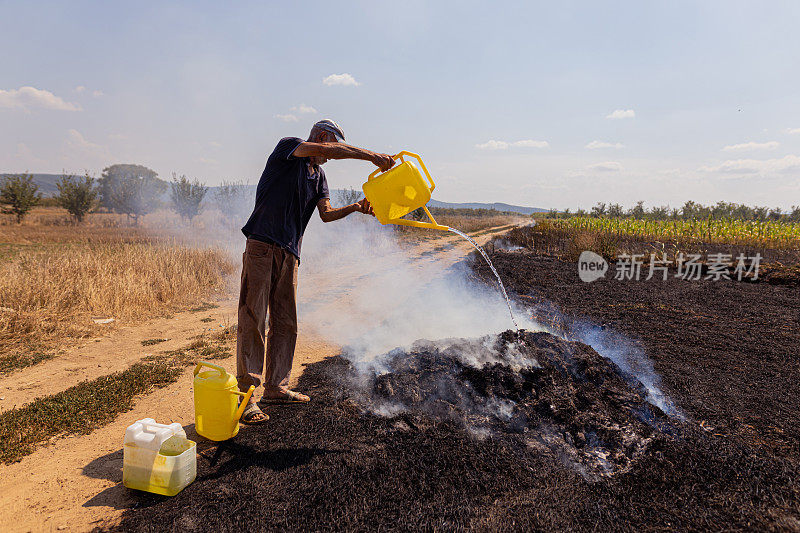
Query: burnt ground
<point x="727" y="352"/>
<point x="527" y="431"/>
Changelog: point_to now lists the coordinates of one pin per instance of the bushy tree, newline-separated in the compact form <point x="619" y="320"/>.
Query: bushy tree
<point x="78" y="196"/>
<point x="187" y="196"/>
<point x="347" y="196"/>
<point x="20" y="193"/>
<point x="231" y="198"/>
<point x="638" y="210"/>
<point x="599" y="210"/>
<point x="794" y="216"/>
<point x="133" y="190"/>
<point x="616" y="211"/>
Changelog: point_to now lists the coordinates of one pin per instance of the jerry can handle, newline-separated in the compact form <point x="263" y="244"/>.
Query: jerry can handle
<point x="246" y="398"/>
<point x="400" y="156"/>
<point x="209" y="365"/>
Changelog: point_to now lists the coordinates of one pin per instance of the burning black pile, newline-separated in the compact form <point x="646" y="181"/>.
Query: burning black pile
<point x="533" y="389"/>
<point x="523" y="432"/>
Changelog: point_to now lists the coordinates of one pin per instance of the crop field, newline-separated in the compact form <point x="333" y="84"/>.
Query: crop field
<point x="752" y="233"/>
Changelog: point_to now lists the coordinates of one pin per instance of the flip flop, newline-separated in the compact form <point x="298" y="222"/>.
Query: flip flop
<point x="253" y="415"/>
<point x="290" y="397"/>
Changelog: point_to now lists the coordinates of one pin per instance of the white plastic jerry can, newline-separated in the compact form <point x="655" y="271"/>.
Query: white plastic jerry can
<point x="158" y="458"/>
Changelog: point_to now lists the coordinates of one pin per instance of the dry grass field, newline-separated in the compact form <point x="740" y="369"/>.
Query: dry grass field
<point x="55" y="277"/>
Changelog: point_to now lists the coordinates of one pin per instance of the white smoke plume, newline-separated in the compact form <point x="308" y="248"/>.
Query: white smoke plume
<point x="365" y="289"/>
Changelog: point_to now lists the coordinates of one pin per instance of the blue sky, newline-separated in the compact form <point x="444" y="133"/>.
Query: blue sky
<point x="558" y="104"/>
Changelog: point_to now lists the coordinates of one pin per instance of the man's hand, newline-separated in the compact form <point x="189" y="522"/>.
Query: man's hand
<point x="383" y="161"/>
<point x="365" y="207"/>
<point x="329" y="214"/>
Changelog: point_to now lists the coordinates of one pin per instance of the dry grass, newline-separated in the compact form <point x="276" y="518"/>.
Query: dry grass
<point x="55" y="278"/>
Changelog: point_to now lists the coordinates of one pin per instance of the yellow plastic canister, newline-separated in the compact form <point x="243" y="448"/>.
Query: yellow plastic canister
<point x="216" y="415"/>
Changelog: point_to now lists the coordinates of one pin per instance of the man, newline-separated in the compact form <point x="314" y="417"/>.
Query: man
<point x="292" y="185"/>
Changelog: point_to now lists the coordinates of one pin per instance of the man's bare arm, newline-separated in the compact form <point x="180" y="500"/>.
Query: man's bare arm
<point x="343" y="151"/>
<point x="329" y="214"/>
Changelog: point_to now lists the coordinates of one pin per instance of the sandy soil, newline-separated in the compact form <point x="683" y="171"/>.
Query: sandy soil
<point x="74" y="483"/>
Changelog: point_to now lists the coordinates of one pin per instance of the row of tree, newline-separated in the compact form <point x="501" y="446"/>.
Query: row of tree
<point x="689" y="210"/>
<point x="132" y="190"/>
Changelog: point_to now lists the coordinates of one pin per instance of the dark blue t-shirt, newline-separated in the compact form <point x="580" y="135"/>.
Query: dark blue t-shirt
<point x="286" y="197"/>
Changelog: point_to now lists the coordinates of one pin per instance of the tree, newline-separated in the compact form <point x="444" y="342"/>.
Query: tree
<point x="231" y="197"/>
<point x="133" y="190"/>
<point x="795" y="214"/>
<point x="77" y="196"/>
<point x="775" y="214"/>
<point x="638" y="211"/>
<point x="616" y="211"/>
<point x="599" y="210"/>
<point x="348" y="196"/>
<point x="20" y="193"/>
<point x="187" y="196"/>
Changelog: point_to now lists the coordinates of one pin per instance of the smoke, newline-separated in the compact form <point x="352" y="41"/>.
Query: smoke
<point x="630" y="358"/>
<point x="363" y="288"/>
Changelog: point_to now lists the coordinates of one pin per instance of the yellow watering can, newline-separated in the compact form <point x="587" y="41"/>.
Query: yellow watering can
<point x="400" y="190"/>
<point x="216" y="415"/>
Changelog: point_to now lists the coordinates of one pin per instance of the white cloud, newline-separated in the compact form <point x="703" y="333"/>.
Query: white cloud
<point x="80" y="89"/>
<point x="621" y="113"/>
<point x="303" y="108"/>
<point x="771" y="145"/>
<point x="98" y="93"/>
<point x="215" y="144"/>
<point x="789" y="163"/>
<point x="606" y="166"/>
<point x="598" y="145"/>
<point x="208" y="161"/>
<point x="287" y="117"/>
<point x="793" y="131"/>
<point x="117" y="136"/>
<point x="530" y="143"/>
<point x="504" y="145"/>
<point x="492" y="145"/>
<point x="340" y="79"/>
<point x="77" y="144"/>
<point x="28" y="98"/>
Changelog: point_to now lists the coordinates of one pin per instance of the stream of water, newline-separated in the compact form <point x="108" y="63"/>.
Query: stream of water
<point x="489" y="261"/>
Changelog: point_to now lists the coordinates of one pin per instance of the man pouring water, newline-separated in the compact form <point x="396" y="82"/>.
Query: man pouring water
<point x="291" y="186"/>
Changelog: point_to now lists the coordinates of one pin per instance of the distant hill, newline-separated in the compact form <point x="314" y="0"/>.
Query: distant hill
<point x="497" y="206"/>
<point x="47" y="186"/>
<point x="46" y="182"/>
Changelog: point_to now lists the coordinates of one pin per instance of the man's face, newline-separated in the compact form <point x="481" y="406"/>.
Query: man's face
<point x="325" y="137"/>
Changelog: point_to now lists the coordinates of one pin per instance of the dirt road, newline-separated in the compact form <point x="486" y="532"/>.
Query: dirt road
<point x="74" y="483"/>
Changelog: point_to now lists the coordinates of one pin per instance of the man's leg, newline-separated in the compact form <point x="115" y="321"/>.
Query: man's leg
<point x="282" y="335"/>
<point x="257" y="264"/>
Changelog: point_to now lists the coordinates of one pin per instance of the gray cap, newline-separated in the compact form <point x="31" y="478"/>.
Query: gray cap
<point x="331" y="127"/>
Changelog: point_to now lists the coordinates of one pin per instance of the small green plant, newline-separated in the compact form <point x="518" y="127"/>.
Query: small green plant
<point x="77" y="196"/>
<point x="20" y="193"/>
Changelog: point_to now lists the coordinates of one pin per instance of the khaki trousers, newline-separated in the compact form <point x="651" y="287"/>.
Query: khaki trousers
<point x="269" y="283"/>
